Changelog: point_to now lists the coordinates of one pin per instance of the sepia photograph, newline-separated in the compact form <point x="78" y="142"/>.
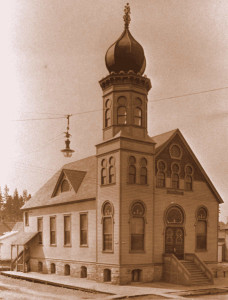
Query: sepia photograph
<point x="114" y="165"/>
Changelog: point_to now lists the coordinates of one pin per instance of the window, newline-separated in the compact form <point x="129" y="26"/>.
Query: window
<point x="53" y="230"/>
<point x="136" y="275"/>
<point x="175" y="175"/>
<point x="67" y="231"/>
<point x="83" y="229"/>
<point x="108" y="113"/>
<point x="67" y="270"/>
<point x="40" y="230"/>
<point x="175" y="151"/>
<point x="143" y="171"/>
<point x="121" y="115"/>
<point x="112" y="170"/>
<point x="132" y="170"/>
<point x="174" y="216"/>
<point x="53" y="268"/>
<point x="201" y="229"/>
<point x="26" y="218"/>
<point x="138" y="116"/>
<point x="137" y="227"/>
<point x="103" y="172"/>
<point x="188" y="178"/>
<point x="40" y="266"/>
<point x="107" y="221"/>
<point x="161" y="175"/>
<point x="65" y="186"/>
<point x="107" y="275"/>
<point x="83" y="272"/>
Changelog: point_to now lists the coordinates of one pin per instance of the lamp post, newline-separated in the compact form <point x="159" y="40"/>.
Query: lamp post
<point x="67" y="152"/>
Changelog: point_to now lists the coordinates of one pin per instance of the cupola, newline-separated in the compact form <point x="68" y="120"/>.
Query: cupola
<point x="126" y="54"/>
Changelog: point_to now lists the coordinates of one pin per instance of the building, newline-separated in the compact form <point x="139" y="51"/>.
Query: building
<point x="142" y="209"/>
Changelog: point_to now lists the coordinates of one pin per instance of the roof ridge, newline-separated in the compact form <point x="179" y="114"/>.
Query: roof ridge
<point x="166" y="132"/>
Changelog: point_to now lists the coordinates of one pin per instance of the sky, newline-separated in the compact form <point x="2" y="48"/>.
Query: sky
<point x="52" y="58"/>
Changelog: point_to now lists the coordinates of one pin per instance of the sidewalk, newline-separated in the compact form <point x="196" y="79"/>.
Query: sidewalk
<point x="159" y="289"/>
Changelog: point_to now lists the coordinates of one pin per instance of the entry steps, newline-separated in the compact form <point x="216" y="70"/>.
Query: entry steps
<point x="197" y="275"/>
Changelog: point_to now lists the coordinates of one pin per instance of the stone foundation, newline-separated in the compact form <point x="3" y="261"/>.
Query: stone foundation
<point x="99" y="273"/>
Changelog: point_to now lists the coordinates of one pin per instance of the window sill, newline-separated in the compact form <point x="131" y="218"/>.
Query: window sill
<point x="84" y="246"/>
<point x="139" y="184"/>
<point x="67" y="246"/>
<point x="137" y="251"/>
<point x="107" y="184"/>
<point x="175" y="191"/>
<point x="108" y="251"/>
<point x="53" y="245"/>
<point x="200" y="250"/>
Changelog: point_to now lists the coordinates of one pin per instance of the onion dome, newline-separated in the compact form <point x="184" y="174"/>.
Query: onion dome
<point x="126" y="53"/>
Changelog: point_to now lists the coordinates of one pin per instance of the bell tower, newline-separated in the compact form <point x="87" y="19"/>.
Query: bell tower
<point x="125" y="164"/>
<point x="125" y="89"/>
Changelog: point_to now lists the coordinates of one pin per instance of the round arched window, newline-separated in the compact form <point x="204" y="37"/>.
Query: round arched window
<point x="138" y="209"/>
<point x="107" y="209"/>
<point x="174" y="216"/>
<point x="202" y="214"/>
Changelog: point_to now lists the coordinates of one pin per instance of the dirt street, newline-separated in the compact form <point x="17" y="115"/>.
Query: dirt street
<point x="16" y="289"/>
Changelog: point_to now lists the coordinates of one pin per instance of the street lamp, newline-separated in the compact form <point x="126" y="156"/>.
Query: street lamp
<point x="67" y="152"/>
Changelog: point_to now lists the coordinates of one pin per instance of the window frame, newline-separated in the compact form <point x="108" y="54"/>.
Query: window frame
<point x="205" y="235"/>
<point x="40" y="231"/>
<point x="109" y="217"/>
<point x="65" y="235"/>
<point x="26" y="216"/>
<point x="51" y="231"/>
<point x="143" y="219"/>
<point x="138" y="117"/>
<point x="83" y="230"/>
<point x="122" y="115"/>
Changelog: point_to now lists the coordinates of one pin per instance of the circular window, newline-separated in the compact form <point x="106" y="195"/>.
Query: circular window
<point x="138" y="209"/>
<point x="175" y="151"/>
<point x="122" y="100"/>
<point x="175" y="216"/>
<point x="138" y="102"/>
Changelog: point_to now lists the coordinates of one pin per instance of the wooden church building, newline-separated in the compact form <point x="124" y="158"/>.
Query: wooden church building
<point x="141" y="209"/>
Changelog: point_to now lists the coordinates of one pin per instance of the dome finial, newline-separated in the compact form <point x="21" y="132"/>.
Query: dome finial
<point x="126" y="16"/>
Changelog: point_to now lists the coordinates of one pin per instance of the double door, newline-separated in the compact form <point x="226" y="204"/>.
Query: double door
<point x="174" y="241"/>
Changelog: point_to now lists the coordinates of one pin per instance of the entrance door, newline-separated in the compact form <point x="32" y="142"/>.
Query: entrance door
<point x="174" y="241"/>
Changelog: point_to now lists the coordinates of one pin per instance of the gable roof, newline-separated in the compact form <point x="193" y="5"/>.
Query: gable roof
<point x="164" y="139"/>
<point x="75" y="178"/>
<point x="82" y="176"/>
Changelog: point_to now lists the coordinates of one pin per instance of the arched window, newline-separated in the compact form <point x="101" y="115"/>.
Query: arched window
<point x="112" y="172"/>
<point x="122" y="115"/>
<point x="107" y="221"/>
<point x="108" y="113"/>
<point x="175" y="175"/>
<point x="103" y="172"/>
<point x="65" y="186"/>
<point x="174" y="216"/>
<point x="188" y="178"/>
<point x="137" y="226"/>
<point x="161" y="175"/>
<point x="143" y="171"/>
<point x="138" y="116"/>
<point x="201" y="229"/>
<point x="132" y="170"/>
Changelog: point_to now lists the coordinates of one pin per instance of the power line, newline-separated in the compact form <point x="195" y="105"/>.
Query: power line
<point x="39" y="119"/>
<point x="190" y="94"/>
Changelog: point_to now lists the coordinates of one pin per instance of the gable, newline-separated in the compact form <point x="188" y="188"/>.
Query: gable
<point x="187" y="157"/>
<point x="68" y="180"/>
